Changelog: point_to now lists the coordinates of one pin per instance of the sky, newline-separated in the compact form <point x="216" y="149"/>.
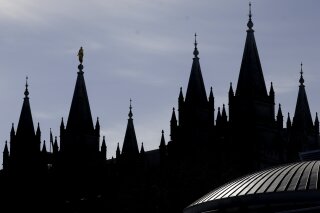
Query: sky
<point x="142" y="50"/>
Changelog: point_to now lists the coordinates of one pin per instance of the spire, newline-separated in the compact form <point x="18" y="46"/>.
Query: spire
<point x="280" y="118"/>
<point x="44" y="148"/>
<point x="62" y="124"/>
<point x="51" y="141"/>
<point x="288" y="121"/>
<point x="38" y="133"/>
<point x="162" y="141"/>
<point x="97" y="124"/>
<point x="12" y="132"/>
<point x="25" y="126"/>
<point x="231" y="93"/>
<point x="224" y="114"/>
<point x="142" y="149"/>
<point x="251" y="81"/>
<point x="6" y="150"/>
<point x="211" y="98"/>
<point x="302" y="117"/>
<point x="5" y="157"/>
<point x="181" y="98"/>
<point x="195" y="52"/>
<point x="80" y="119"/>
<point x="118" y="153"/>
<point x="218" y="121"/>
<point x="55" y="145"/>
<point x="173" y="125"/>
<point x="104" y="148"/>
<point x="316" y="124"/>
<point x="97" y="128"/>
<point x="130" y="144"/>
<point x="173" y="117"/>
<point x="196" y="92"/>
<point x="271" y="92"/>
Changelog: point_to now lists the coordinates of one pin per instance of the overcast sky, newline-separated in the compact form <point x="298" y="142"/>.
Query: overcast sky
<point x="142" y="49"/>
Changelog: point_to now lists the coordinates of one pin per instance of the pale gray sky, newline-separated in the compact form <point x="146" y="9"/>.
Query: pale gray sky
<point x="142" y="49"/>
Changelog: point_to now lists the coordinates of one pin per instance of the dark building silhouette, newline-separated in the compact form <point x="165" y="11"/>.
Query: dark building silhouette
<point x="207" y="148"/>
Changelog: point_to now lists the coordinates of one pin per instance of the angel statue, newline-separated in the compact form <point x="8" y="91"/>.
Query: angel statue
<point x="80" y="55"/>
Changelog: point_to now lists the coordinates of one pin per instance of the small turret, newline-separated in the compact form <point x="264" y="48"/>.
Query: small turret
<point x="162" y="147"/>
<point x="316" y="125"/>
<point x="173" y="125"/>
<point x="230" y="93"/>
<point x="130" y="148"/>
<point x="279" y="118"/>
<point x="12" y="137"/>
<point x="271" y="92"/>
<point x="51" y="141"/>
<point x="97" y="128"/>
<point x="224" y="117"/>
<point x="55" y="146"/>
<point x="104" y="149"/>
<point x="142" y="149"/>
<point x="118" y="153"/>
<point x="219" y="118"/>
<point x="38" y="134"/>
<point x="12" y="132"/>
<point x="5" y="161"/>
<point x="44" y="148"/>
<point x="62" y="128"/>
<point x="288" y="122"/>
<point x="180" y="105"/>
<point x="211" y="105"/>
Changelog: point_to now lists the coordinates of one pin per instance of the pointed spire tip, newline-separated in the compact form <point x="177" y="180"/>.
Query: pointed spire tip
<point x="301" y="80"/>
<point x="195" y="52"/>
<point x="26" y="92"/>
<point x="250" y="23"/>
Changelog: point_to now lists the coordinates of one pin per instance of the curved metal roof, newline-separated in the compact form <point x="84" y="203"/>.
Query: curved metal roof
<point x="297" y="177"/>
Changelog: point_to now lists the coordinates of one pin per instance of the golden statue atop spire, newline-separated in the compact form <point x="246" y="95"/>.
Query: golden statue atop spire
<point x="80" y="55"/>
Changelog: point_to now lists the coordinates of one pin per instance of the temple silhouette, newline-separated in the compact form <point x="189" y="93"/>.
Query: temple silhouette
<point x="209" y="145"/>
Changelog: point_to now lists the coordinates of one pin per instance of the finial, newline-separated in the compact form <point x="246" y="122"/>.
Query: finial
<point x="250" y="23"/>
<point x="162" y="132"/>
<point x="195" y="52"/>
<point x="26" y="92"/>
<point x="173" y="109"/>
<point x="301" y="75"/>
<point x="80" y="56"/>
<point x="130" y="112"/>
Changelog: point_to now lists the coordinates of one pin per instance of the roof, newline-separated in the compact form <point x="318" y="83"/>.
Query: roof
<point x="295" y="183"/>
<point x="80" y="119"/>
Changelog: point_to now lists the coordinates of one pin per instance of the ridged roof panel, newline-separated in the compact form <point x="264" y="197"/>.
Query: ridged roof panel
<point x="300" y="176"/>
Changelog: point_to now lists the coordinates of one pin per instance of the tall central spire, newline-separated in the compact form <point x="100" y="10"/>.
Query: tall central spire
<point x="80" y="119"/>
<point x="196" y="92"/>
<point x="251" y="81"/>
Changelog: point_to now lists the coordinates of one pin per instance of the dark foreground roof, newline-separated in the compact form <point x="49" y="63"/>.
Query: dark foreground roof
<point x="288" y="187"/>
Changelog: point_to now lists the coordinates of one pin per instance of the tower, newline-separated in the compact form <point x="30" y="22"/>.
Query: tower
<point x="196" y="113"/>
<point x="251" y="110"/>
<point x="303" y="134"/>
<point x="25" y="143"/>
<point x="79" y="140"/>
